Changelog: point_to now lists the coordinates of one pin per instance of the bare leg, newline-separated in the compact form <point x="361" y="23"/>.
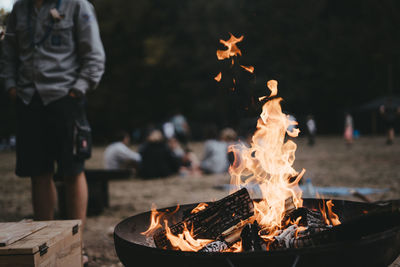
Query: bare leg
<point x="44" y="197"/>
<point x="76" y="195"/>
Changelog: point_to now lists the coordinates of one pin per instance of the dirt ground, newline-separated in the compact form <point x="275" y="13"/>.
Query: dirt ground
<point x="368" y="163"/>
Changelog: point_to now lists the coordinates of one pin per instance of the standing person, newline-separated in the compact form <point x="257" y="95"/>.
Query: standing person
<point x="348" y="129"/>
<point x="311" y="130"/>
<point x="52" y="55"/>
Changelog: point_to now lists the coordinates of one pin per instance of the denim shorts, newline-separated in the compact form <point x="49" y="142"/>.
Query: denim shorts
<point x="46" y="136"/>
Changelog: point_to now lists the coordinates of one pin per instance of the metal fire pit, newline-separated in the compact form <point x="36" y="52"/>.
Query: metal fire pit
<point x="379" y="247"/>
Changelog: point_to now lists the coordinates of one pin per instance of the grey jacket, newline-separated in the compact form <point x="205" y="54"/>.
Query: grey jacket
<point x="71" y="57"/>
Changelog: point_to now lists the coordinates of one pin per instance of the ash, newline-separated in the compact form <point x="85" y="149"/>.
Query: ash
<point x="310" y="223"/>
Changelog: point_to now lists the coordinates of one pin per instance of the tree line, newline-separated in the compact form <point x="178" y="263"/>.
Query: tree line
<point x="328" y="56"/>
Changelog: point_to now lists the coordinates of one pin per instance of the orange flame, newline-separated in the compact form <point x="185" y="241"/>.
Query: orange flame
<point x="218" y="77"/>
<point x="199" y="207"/>
<point x="268" y="163"/>
<point x="232" y="49"/>
<point x="248" y="68"/>
<point x="185" y="240"/>
<point x="329" y="216"/>
<point x="155" y="218"/>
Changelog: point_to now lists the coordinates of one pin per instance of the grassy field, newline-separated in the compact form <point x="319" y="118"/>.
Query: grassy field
<point x="368" y="163"/>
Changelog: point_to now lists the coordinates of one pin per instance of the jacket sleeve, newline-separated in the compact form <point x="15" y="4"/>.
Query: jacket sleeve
<point x="90" y="48"/>
<point x="9" y="57"/>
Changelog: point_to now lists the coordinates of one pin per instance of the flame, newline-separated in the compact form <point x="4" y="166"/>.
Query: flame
<point x="237" y="247"/>
<point x="218" y="77"/>
<point x="232" y="49"/>
<point x="248" y="68"/>
<point x="273" y="87"/>
<point x="265" y="164"/>
<point x="329" y="216"/>
<point x="199" y="207"/>
<point x="268" y="163"/>
<point x="155" y="218"/>
<point x="185" y="240"/>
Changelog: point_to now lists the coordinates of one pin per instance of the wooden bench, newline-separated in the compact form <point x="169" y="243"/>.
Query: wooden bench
<point x="97" y="180"/>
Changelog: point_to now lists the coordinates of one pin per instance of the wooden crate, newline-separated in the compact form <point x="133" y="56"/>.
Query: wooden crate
<point x="47" y="243"/>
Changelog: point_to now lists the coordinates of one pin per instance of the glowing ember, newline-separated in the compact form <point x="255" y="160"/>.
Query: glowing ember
<point x="218" y="77"/>
<point x="248" y="68"/>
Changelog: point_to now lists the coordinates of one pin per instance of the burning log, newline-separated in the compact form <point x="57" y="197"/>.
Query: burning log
<point x="213" y="221"/>
<point x="312" y="218"/>
<point x="247" y="232"/>
<point x="315" y="232"/>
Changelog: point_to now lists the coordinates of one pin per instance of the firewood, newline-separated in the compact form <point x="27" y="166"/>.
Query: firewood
<point x="251" y="240"/>
<point x="285" y="238"/>
<point x="289" y="205"/>
<point x="212" y="221"/>
<point x="234" y="234"/>
<point x="383" y="216"/>
<point x="308" y="217"/>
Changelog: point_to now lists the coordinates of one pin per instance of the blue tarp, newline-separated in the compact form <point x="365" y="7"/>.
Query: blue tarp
<point x="312" y="191"/>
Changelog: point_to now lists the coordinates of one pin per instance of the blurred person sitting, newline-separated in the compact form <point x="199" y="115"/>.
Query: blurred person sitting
<point x="119" y="156"/>
<point x="181" y="128"/>
<point x="215" y="159"/>
<point x="189" y="162"/>
<point x="176" y="147"/>
<point x="168" y="129"/>
<point x="311" y="130"/>
<point x="158" y="159"/>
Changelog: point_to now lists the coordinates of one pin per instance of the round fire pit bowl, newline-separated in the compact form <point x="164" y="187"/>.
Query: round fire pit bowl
<point x="380" y="247"/>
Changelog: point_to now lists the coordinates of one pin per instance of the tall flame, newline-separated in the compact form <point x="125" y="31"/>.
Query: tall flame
<point x="268" y="162"/>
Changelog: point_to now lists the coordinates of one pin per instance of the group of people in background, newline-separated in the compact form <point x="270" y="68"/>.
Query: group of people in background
<point x="165" y="151"/>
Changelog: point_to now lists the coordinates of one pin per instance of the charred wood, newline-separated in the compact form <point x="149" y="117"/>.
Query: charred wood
<point x="212" y="221"/>
<point x="251" y="240"/>
<point x="309" y="217"/>
<point x="384" y="216"/>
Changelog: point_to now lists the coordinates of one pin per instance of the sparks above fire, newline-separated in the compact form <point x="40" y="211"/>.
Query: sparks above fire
<point x="238" y="223"/>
